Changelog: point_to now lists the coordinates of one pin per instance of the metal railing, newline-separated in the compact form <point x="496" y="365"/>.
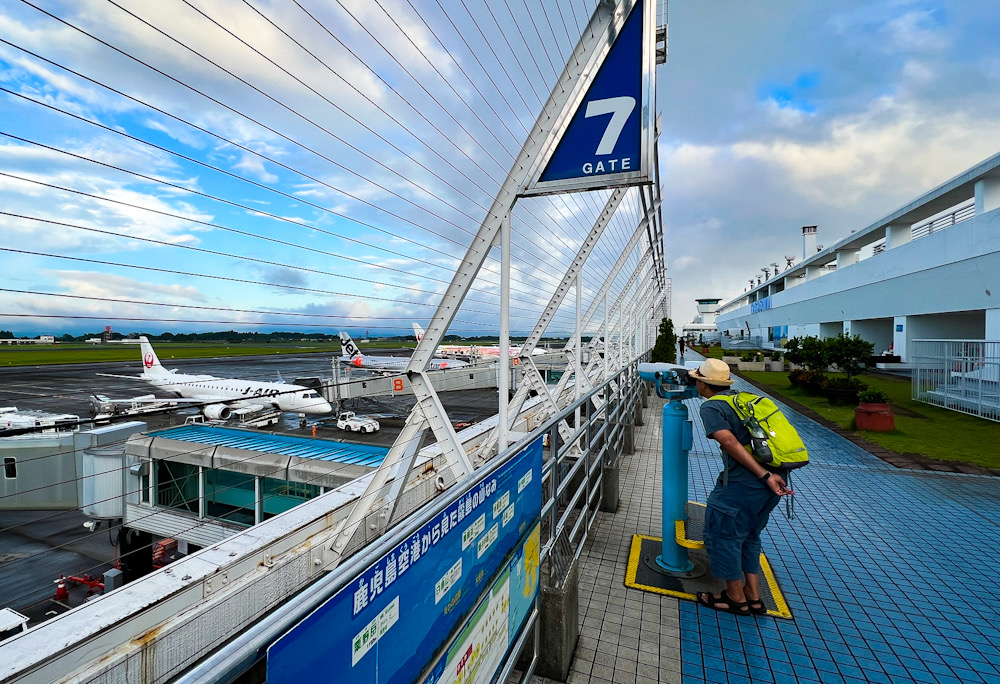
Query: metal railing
<point x="571" y="489"/>
<point x="961" y="375"/>
<point x="964" y="212"/>
<point x="737" y="343"/>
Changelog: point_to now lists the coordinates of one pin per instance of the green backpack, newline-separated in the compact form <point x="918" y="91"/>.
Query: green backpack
<point x="773" y="441"/>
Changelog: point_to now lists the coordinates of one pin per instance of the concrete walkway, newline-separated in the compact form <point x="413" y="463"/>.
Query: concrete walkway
<point x="891" y="576"/>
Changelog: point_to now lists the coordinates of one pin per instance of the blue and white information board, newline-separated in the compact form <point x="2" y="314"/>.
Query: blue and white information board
<point x="607" y="139"/>
<point x="478" y="650"/>
<point x="391" y="622"/>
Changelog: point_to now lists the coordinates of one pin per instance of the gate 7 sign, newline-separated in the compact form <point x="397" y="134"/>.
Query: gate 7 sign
<point x="607" y="140"/>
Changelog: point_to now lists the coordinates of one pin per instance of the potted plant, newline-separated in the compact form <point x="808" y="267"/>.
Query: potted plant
<point x="873" y="412"/>
<point x="751" y="361"/>
<point x="776" y="364"/>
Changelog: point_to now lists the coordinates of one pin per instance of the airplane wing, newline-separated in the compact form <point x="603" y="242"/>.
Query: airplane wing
<point x="123" y="377"/>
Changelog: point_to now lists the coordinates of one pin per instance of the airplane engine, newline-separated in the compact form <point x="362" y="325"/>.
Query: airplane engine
<point x="217" y="412"/>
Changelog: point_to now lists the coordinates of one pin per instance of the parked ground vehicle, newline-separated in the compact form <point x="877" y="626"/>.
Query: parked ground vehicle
<point x="350" y="421"/>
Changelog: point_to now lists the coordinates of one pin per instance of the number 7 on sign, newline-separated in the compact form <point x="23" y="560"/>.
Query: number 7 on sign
<point x="619" y="108"/>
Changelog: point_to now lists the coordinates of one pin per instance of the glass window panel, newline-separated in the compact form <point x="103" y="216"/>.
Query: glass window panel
<point x="229" y="496"/>
<point x="281" y="495"/>
<point x="177" y="486"/>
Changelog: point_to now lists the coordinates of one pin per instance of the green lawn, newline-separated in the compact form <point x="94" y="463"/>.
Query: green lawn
<point x="36" y="355"/>
<point x="920" y="428"/>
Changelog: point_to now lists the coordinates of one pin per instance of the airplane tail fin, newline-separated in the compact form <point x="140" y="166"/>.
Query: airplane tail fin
<point x="418" y="331"/>
<point x="150" y="362"/>
<point x="350" y="350"/>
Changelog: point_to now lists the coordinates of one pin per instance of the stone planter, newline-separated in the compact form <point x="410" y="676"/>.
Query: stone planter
<point x="874" y="417"/>
<point x="776" y="366"/>
<point x="730" y="359"/>
<point x="757" y="366"/>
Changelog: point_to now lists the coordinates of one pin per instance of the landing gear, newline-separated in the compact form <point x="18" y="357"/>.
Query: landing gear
<point x="302" y="420"/>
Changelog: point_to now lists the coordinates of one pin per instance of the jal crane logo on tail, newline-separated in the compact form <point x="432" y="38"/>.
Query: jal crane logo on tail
<point x="147" y="360"/>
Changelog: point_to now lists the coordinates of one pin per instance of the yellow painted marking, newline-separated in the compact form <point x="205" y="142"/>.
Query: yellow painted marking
<point x="772" y="583"/>
<point x="680" y="531"/>
<point x="633" y="565"/>
<point x="634" y="558"/>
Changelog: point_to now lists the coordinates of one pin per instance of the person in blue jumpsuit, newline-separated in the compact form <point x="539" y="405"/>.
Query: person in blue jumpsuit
<point x="741" y="503"/>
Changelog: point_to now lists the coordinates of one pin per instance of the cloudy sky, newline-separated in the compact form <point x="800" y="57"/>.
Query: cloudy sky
<point x="784" y="114"/>
<point x="214" y="164"/>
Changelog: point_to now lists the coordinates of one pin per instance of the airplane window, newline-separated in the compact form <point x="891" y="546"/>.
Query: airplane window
<point x="310" y="395"/>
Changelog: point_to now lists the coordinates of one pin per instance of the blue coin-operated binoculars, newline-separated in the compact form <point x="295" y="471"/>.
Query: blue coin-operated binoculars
<point x="673" y="384"/>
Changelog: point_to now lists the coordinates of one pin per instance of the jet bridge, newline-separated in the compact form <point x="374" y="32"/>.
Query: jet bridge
<point x="346" y="384"/>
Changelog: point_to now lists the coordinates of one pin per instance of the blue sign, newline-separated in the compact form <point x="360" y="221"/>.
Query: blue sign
<point x="478" y="650"/>
<point x="760" y="305"/>
<point x="899" y="327"/>
<point x="605" y="135"/>
<point x="390" y="622"/>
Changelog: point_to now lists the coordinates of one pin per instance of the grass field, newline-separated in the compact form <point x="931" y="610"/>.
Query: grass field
<point x="36" y="355"/>
<point x="920" y="428"/>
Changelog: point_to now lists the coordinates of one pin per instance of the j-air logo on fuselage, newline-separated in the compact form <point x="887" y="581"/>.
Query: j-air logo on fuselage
<point x="260" y="392"/>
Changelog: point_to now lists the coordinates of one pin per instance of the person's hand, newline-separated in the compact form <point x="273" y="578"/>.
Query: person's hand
<point x="778" y="486"/>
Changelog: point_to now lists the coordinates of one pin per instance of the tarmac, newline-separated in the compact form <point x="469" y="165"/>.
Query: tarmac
<point x="37" y="546"/>
<point x="889" y="573"/>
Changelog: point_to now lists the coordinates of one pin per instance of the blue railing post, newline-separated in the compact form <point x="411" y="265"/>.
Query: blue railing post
<point x="677" y="439"/>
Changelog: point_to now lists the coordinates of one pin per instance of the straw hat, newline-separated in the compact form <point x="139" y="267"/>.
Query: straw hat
<point x="713" y="372"/>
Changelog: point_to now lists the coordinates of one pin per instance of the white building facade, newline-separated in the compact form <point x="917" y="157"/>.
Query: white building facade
<point x="929" y="270"/>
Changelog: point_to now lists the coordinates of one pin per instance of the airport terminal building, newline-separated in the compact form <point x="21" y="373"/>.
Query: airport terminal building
<point x="922" y="283"/>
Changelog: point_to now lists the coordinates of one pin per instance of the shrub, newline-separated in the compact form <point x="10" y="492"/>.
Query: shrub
<point x="775" y="356"/>
<point x="665" y="348"/>
<point x="812" y="381"/>
<point x="873" y="396"/>
<point x="793" y="350"/>
<point x="795" y="376"/>
<point x="814" y="356"/>
<point x="750" y="356"/>
<point x="849" y="353"/>
<point x="845" y="384"/>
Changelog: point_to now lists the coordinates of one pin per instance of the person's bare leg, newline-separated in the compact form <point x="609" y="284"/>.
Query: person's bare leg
<point x="751" y="588"/>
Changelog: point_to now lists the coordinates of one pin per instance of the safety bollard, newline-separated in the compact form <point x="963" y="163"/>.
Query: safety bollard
<point x="677" y="441"/>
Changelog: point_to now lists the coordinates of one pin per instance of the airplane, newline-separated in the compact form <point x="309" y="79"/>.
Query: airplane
<point x="353" y="356"/>
<point x="458" y="349"/>
<point x="473" y="350"/>
<point x="222" y="395"/>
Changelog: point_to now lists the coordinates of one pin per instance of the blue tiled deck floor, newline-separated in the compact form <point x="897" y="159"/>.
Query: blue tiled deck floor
<point x="891" y="576"/>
